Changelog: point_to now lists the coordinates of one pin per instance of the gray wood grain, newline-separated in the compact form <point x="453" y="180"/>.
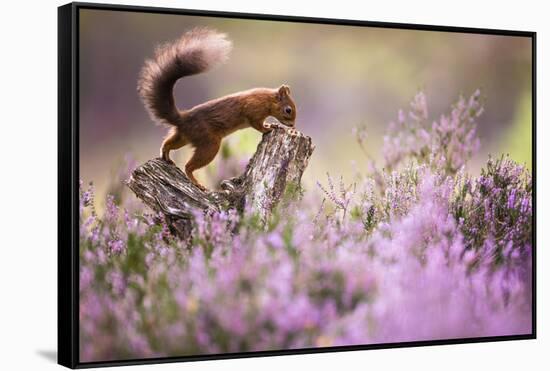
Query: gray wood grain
<point x="278" y="164"/>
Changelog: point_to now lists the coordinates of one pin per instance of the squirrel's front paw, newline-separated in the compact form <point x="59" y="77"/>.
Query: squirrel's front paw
<point x="268" y="126"/>
<point x="292" y="132"/>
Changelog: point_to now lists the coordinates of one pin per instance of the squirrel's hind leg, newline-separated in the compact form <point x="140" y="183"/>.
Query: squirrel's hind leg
<point x="173" y="140"/>
<point x="203" y="155"/>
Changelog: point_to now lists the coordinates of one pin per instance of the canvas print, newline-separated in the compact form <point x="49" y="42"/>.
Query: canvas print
<point x="261" y="185"/>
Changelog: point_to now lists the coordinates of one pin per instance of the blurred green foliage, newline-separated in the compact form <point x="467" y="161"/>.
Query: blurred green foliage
<point x="518" y="138"/>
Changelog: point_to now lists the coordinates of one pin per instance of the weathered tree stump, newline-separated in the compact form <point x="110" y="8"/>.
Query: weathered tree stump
<point x="279" y="162"/>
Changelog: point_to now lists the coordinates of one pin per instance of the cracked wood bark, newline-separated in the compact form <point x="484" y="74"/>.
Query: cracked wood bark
<point x="279" y="162"/>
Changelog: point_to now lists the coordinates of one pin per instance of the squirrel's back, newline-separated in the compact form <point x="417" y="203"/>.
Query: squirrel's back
<point x="194" y="52"/>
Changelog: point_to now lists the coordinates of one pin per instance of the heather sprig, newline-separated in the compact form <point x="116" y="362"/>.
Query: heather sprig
<point x="340" y="198"/>
<point x="495" y="209"/>
<point x="446" y="144"/>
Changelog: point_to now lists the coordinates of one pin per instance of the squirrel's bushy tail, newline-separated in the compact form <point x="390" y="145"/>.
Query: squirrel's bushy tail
<point x="194" y="52"/>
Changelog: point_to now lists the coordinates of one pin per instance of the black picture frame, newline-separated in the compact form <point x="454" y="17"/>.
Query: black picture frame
<point x="68" y="181"/>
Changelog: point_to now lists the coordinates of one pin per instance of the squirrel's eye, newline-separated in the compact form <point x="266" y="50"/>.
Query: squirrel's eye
<point x="288" y="110"/>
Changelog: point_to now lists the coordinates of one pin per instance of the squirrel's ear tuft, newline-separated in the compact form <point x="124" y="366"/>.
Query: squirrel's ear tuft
<point x="284" y="91"/>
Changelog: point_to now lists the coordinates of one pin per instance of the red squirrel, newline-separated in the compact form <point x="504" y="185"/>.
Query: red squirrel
<point x="205" y="125"/>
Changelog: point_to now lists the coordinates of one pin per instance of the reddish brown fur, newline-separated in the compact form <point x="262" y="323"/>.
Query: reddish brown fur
<point x="205" y="125"/>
